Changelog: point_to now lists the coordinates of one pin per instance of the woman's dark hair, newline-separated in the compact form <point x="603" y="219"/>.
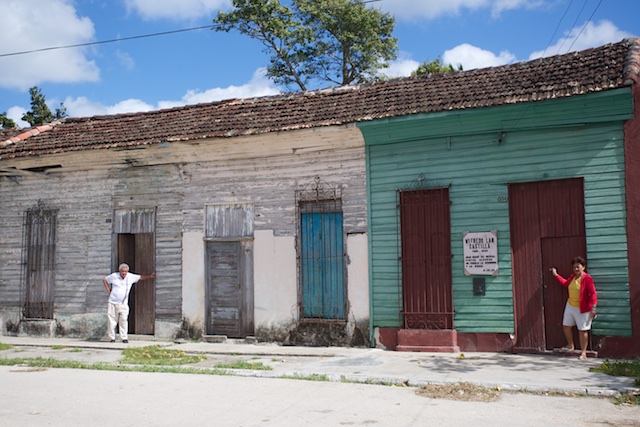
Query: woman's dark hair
<point x="579" y="260"/>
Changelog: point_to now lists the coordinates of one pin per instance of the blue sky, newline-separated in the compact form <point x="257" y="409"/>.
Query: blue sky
<point x="203" y="66"/>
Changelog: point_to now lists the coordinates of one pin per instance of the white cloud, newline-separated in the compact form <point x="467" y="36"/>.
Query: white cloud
<point x="259" y="85"/>
<point x="35" y="24"/>
<point x="473" y="57"/>
<point x="412" y="10"/>
<point x="178" y="10"/>
<point x="84" y="107"/>
<point x="15" y="114"/>
<point x="401" y="67"/>
<point x="577" y="39"/>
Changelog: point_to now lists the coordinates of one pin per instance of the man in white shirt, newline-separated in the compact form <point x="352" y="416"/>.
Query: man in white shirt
<point x="118" y="286"/>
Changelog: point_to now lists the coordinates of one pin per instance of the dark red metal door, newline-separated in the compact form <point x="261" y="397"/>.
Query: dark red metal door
<point x="426" y="259"/>
<point x="547" y="230"/>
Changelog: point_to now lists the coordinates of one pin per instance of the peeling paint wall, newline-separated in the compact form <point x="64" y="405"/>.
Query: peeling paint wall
<point x="275" y="280"/>
<point x="193" y="278"/>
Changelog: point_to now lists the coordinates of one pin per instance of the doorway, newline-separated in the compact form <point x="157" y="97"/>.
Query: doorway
<point x="229" y="270"/>
<point x="547" y="230"/>
<point x="134" y="243"/>
<point x="137" y="250"/>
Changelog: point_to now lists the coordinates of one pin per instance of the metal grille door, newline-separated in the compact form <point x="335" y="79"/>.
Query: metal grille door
<point x="39" y="265"/>
<point x="426" y="259"/>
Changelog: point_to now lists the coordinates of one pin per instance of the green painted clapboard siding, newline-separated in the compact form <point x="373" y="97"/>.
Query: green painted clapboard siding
<point x="476" y="153"/>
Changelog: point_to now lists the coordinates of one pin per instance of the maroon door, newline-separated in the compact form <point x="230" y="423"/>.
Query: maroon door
<point x="426" y="259"/>
<point x="547" y="230"/>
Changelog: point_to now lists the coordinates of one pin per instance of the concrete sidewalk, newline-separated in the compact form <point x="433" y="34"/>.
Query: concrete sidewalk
<point x="514" y="372"/>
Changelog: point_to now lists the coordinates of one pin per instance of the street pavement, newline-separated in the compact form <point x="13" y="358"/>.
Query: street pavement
<point x="509" y="372"/>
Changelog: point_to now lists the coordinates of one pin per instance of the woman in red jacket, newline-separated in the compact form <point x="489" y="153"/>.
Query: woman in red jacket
<point x="581" y="304"/>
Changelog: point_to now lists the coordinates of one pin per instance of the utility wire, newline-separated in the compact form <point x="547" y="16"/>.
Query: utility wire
<point x="557" y="28"/>
<point x="573" y="26"/>
<point x="528" y="106"/>
<point x="164" y="33"/>
<point x="585" y="25"/>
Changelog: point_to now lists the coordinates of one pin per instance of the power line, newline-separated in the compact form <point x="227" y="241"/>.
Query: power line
<point x="184" y="30"/>
<point x="557" y="28"/>
<point x="585" y="25"/>
<point x="164" y="33"/>
<point x="572" y="27"/>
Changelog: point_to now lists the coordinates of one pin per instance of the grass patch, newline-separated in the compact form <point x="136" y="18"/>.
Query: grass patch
<point x="75" y="350"/>
<point x="310" y="377"/>
<point x="4" y="346"/>
<point x="157" y="355"/>
<point x="57" y="347"/>
<point x="459" y="391"/>
<point x="620" y="368"/>
<point x="623" y="368"/>
<point x="243" y="364"/>
<point x="41" y="363"/>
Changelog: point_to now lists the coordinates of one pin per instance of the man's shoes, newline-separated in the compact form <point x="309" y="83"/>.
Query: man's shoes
<point x="125" y="341"/>
<point x="113" y="340"/>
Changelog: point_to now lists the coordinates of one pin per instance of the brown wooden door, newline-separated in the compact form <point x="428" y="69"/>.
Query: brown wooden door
<point x="138" y="251"/>
<point x="426" y="259"/>
<point x="547" y="230"/>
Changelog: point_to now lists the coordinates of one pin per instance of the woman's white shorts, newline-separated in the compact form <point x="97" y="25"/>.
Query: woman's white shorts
<point x="573" y="317"/>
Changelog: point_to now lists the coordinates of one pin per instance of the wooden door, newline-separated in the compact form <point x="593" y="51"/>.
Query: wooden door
<point x="547" y="230"/>
<point x="322" y="265"/>
<point x="425" y="229"/>
<point x="557" y="252"/>
<point x="138" y="251"/>
<point x="224" y="289"/>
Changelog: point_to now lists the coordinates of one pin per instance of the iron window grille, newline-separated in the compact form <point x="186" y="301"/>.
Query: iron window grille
<point x="38" y="262"/>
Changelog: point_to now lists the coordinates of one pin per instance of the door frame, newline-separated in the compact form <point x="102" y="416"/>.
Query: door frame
<point x="133" y="222"/>
<point x="232" y="222"/>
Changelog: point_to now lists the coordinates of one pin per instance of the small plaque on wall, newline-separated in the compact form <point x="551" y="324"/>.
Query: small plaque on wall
<point x="480" y="253"/>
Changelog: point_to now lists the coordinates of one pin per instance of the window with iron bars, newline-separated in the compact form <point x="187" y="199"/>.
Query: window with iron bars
<point x="38" y="266"/>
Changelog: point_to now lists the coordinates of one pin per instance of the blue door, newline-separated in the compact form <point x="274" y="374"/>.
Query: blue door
<point x="322" y="265"/>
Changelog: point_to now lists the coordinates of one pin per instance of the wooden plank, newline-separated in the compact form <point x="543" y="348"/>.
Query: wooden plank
<point x="476" y="161"/>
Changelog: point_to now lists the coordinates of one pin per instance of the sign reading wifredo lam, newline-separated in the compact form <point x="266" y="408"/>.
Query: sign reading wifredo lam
<point x="480" y="253"/>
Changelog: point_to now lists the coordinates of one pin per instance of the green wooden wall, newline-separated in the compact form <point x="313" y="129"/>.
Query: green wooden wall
<point x="477" y="153"/>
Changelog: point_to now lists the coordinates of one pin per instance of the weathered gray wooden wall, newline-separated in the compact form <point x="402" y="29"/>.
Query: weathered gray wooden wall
<point x="177" y="179"/>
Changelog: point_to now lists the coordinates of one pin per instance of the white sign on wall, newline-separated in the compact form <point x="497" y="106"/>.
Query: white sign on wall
<point x="480" y="253"/>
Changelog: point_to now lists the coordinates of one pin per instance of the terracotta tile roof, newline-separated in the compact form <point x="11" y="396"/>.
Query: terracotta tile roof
<point x="602" y="68"/>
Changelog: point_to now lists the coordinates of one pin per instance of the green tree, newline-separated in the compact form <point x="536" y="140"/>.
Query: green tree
<point x="331" y="41"/>
<point x="6" y="122"/>
<point x="435" y="67"/>
<point x="40" y="112"/>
